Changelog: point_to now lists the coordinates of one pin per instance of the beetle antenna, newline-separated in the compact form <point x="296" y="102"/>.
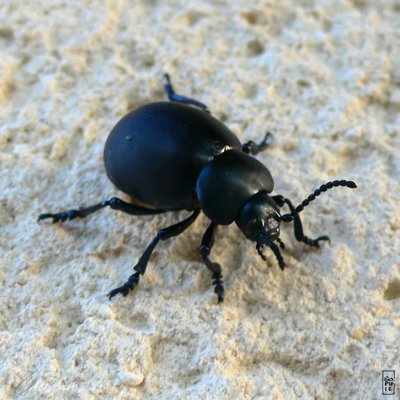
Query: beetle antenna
<point x="264" y="240"/>
<point x="317" y="192"/>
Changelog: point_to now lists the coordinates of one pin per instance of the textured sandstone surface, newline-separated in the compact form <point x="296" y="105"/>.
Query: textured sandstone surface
<point x="324" y="77"/>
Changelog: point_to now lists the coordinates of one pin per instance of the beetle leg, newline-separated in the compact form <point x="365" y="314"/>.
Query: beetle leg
<point x="205" y="249"/>
<point x="140" y="267"/>
<point x="298" y="227"/>
<point x="115" y="203"/>
<point x="254" y="148"/>
<point x="259" y="247"/>
<point x="181" y="99"/>
<point x="281" y="244"/>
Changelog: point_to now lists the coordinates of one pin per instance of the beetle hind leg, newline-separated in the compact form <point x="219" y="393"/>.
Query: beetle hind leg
<point x="115" y="203"/>
<point x="181" y="99"/>
<point x="140" y="267"/>
<point x="205" y="249"/>
<point x="298" y="226"/>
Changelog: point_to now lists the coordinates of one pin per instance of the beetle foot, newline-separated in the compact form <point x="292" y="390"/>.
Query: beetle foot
<point x="62" y="216"/>
<point x="219" y="288"/>
<point x="169" y="89"/>
<point x="254" y="148"/>
<point x="130" y="284"/>
<point x="266" y="141"/>
<point x="315" y="242"/>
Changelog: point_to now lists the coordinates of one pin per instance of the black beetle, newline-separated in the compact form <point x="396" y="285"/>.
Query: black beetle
<point x="173" y="156"/>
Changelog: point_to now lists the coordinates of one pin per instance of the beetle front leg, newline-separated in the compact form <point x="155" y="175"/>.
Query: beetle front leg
<point x="205" y="249"/>
<point x="140" y="267"/>
<point x="254" y="148"/>
<point x="181" y="99"/>
<point x="298" y="227"/>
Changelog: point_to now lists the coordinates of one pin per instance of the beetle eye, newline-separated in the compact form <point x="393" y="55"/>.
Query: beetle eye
<point x="253" y="228"/>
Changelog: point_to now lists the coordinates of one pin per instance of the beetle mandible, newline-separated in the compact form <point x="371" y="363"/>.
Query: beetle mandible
<point x="171" y="156"/>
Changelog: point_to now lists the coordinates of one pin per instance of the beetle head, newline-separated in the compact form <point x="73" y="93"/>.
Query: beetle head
<point x="259" y="219"/>
<point x="259" y="216"/>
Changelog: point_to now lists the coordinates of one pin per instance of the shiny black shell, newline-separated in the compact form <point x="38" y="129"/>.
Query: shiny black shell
<point x="156" y="152"/>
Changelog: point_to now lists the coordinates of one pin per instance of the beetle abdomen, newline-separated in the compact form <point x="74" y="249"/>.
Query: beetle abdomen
<point x="226" y="183"/>
<point x="156" y="152"/>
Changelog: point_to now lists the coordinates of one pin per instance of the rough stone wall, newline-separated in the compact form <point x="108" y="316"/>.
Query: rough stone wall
<point x="324" y="77"/>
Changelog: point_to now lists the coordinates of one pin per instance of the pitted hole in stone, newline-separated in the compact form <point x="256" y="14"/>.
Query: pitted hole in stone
<point x="148" y="61"/>
<point x="251" y="17"/>
<point x="303" y="83"/>
<point x="392" y="291"/>
<point x="254" y="48"/>
<point x="194" y="16"/>
<point x="359" y="4"/>
<point x="223" y="117"/>
<point x="6" y="34"/>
